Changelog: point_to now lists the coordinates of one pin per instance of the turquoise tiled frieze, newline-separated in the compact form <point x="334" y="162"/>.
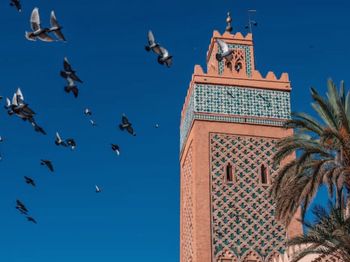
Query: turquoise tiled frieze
<point x="242" y="101"/>
<point x="236" y="105"/>
<point x="187" y="121"/>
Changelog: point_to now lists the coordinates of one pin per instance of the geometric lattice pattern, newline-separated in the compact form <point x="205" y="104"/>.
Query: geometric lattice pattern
<point x="243" y="219"/>
<point x="247" y="59"/>
<point x="187" y="208"/>
<point x="328" y="258"/>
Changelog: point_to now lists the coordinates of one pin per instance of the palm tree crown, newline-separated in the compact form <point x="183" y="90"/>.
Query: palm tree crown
<point x="329" y="235"/>
<point x="323" y="147"/>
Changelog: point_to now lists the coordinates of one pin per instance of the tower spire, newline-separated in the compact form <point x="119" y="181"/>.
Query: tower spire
<point x="228" y="21"/>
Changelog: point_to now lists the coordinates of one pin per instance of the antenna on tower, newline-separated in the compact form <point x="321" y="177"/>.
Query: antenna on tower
<point x="251" y="22"/>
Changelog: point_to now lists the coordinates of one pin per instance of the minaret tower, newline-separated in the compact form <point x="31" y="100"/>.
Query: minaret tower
<point x="231" y="120"/>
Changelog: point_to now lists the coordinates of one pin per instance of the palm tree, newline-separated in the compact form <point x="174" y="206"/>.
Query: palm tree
<point x="323" y="147"/>
<point x="328" y="236"/>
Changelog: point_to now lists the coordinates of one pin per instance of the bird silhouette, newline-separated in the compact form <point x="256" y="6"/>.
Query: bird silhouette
<point x="30" y="219"/>
<point x="21" y="207"/>
<point x="116" y="149"/>
<point x="37" y="30"/>
<point x="87" y="112"/>
<point x="71" y="87"/>
<point x="152" y="45"/>
<point x="227" y="53"/>
<point x="69" y="71"/>
<point x="55" y="27"/>
<point x="97" y="189"/>
<point x="165" y="58"/>
<point x="126" y="125"/>
<point x="16" y="4"/>
<point x="71" y="142"/>
<point x="29" y="181"/>
<point x="92" y="122"/>
<point x="59" y="141"/>
<point x="48" y="164"/>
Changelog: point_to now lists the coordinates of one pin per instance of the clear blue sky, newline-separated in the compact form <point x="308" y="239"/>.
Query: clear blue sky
<point x="136" y="218"/>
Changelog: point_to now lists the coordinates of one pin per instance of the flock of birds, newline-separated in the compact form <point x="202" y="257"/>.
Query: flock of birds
<point x="17" y="106"/>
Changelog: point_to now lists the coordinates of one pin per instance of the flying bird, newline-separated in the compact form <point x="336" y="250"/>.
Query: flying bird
<point x="55" y="27"/>
<point x="69" y="72"/>
<point x="38" y="32"/>
<point x="87" y="112"/>
<point x="47" y="163"/>
<point x="126" y="125"/>
<point x="71" y="142"/>
<point x="71" y="87"/>
<point x="97" y="189"/>
<point x="59" y="141"/>
<point x="21" y="207"/>
<point x="226" y="51"/>
<point x="37" y="128"/>
<point x="116" y="149"/>
<point x="165" y="58"/>
<point x="29" y="181"/>
<point x="17" y="4"/>
<point x="152" y="45"/>
<point x="92" y="122"/>
<point x="30" y="219"/>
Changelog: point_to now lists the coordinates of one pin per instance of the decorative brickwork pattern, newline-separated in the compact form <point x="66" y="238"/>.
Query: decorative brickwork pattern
<point x="243" y="212"/>
<point x="328" y="258"/>
<point x="187" y="208"/>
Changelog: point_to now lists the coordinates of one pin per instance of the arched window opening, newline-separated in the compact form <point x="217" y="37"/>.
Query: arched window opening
<point x="263" y="175"/>
<point x="229" y="173"/>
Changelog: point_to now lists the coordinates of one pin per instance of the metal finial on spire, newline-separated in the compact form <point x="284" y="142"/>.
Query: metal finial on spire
<point x="228" y="21"/>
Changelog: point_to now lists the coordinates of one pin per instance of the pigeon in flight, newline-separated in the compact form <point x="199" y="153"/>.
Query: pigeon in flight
<point x="71" y="142"/>
<point x="47" y="163"/>
<point x="55" y="27"/>
<point x="226" y="52"/>
<point x="21" y="207"/>
<point x="126" y="125"/>
<point x="38" y="32"/>
<point x="92" y="122"/>
<point x="30" y="219"/>
<point x="69" y="72"/>
<point x="97" y="189"/>
<point x="59" y="141"/>
<point x="71" y="87"/>
<point x="165" y="58"/>
<point x="87" y="112"/>
<point x="29" y="181"/>
<point x="37" y="128"/>
<point x="17" y="4"/>
<point x="152" y="45"/>
<point x="116" y="149"/>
